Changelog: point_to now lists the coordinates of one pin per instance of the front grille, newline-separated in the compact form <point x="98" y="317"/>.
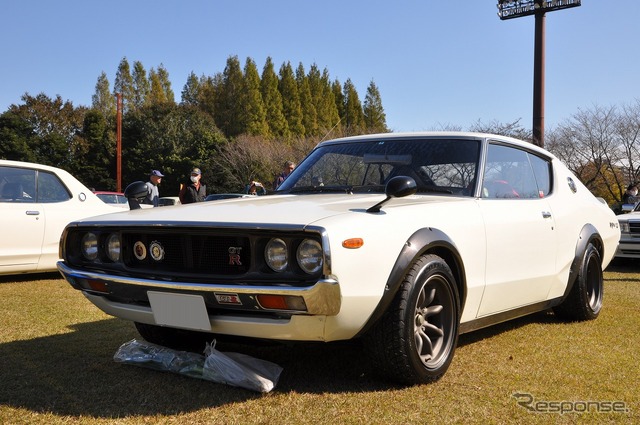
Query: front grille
<point x="197" y="253"/>
<point x="634" y="227"/>
<point x="190" y="254"/>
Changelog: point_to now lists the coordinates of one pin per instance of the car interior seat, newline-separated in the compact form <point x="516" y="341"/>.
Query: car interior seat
<point x="12" y="191"/>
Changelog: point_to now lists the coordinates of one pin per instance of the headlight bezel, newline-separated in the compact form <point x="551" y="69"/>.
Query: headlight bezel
<point x="310" y="249"/>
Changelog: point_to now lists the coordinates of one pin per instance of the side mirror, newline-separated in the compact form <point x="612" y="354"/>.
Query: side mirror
<point x="134" y="193"/>
<point x="397" y="187"/>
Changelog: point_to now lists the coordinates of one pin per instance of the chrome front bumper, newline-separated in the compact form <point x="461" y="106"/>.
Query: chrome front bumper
<point x="322" y="298"/>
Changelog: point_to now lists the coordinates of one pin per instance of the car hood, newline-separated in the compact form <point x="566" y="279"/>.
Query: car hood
<point x="297" y="210"/>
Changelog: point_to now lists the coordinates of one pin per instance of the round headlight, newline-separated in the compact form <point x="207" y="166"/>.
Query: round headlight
<point x="309" y="256"/>
<point x="113" y="247"/>
<point x="275" y="254"/>
<point x="89" y="246"/>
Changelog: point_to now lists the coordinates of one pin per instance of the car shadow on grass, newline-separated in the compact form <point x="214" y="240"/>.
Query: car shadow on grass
<point x="74" y="374"/>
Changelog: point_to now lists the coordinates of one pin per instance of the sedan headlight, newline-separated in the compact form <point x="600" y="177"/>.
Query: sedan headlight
<point x="624" y="226"/>
<point x="89" y="246"/>
<point x="309" y="256"/>
<point x="113" y="247"/>
<point x="275" y="254"/>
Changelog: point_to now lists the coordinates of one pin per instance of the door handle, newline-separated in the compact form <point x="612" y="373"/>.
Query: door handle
<point x="33" y="212"/>
<point x="546" y="214"/>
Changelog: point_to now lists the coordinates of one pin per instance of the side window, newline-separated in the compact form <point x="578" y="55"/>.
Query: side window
<point x="542" y="172"/>
<point x="509" y="174"/>
<point x="51" y="189"/>
<point x="17" y="185"/>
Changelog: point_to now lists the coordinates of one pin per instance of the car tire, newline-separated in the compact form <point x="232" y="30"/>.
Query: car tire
<point x="414" y="341"/>
<point x="584" y="301"/>
<point x="178" y="339"/>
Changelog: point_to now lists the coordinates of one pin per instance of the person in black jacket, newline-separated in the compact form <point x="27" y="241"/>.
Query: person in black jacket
<point x="194" y="191"/>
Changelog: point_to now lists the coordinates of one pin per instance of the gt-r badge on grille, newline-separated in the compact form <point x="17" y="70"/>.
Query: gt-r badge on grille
<point x="234" y="255"/>
<point x="139" y="250"/>
<point x="156" y="251"/>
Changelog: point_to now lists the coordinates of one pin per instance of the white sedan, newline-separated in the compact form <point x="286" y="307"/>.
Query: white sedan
<point x="36" y="203"/>
<point x="403" y="240"/>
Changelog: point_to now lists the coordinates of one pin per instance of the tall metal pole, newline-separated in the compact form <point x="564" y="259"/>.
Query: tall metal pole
<point x="119" y="142"/>
<point x="538" y="80"/>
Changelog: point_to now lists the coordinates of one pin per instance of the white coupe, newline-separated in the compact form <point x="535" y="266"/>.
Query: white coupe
<point x="403" y="240"/>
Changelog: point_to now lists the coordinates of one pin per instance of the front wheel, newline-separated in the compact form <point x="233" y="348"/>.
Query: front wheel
<point x="414" y="341"/>
<point x="584" y="301"/>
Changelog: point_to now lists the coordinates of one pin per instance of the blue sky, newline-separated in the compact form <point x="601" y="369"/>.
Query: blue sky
<point x="435" y="62"/>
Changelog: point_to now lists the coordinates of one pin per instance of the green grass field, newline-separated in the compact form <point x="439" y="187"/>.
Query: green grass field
<point x="56" y="367"/>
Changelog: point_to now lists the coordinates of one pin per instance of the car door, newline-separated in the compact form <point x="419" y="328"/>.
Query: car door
<point x="23" y="223"/>
<point x="519" y="225"/>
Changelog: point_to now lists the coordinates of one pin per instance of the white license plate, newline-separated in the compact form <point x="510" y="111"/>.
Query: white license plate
<point x="179" y="310"/>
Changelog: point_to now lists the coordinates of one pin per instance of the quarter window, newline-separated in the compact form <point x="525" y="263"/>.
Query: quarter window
<point x="512" y="173"/>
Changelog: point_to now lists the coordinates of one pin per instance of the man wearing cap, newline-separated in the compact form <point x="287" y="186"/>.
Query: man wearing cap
<point x="194" y="191"/>
<point x="152" y="188"/>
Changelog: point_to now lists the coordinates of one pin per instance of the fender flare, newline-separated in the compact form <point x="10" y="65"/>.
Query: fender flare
<point x="424" y="240"/>
<point x="588" y="234"/>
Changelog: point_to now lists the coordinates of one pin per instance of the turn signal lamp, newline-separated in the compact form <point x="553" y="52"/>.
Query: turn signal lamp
<point x="352" y="243"/>
<point x="282" y="302"/>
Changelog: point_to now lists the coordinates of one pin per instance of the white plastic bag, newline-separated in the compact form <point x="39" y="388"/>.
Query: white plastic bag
<point x="240" y="370"/>
<point x="236" y="369"/>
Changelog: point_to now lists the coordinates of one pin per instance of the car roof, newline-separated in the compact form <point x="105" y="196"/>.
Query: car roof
<point x="437" y="135"/>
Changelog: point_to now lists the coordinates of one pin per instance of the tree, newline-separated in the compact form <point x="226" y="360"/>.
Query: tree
<point x="172" y="138"/>
<point x="165" y="82"/>
<point x="124" y="85"/>
<point x="290" y="100"/>
<point x="588" y="144"/>
<point x="96" y="157"/>
<point x="231" y="100"/>
<point x="272" y="99"/>
<point x="256" y="116"/>
<point x="141" y="86"/>
<point x="157" y="94"/>
<point x="191" y="91"/>
<point x="102" y="100"/>
<point x="309" y="114"/>
<point x="374" y="117"/>
<point x="353" y="116"/>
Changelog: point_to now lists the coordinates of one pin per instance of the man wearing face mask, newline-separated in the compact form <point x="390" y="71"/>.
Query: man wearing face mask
<point x="194" y="191"/>
<point x="631" y="195"/>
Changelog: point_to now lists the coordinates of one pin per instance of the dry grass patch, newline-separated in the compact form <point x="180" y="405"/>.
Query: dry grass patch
<point x="56" y="367"/>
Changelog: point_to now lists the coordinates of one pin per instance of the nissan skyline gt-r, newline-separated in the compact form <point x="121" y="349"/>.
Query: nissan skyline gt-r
<point x="402" y="240"/>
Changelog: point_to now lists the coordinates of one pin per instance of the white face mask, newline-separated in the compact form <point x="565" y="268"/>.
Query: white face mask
<point x="634" y="192"/>
<point x="194" y="179"/>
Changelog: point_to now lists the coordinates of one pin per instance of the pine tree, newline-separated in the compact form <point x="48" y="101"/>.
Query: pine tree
<point x="309" y="114"/>
<point x="353" y="115"/>
<point x="290" y="100"/>
<point x="231" y="100"/>
<point x="256" y="124"/>
<point x="339" y="101"/>
<point x="156" y="93"/>
<point x="124" y="84"/>
<point x="141" y="86"/>
<point x="374" y="117"/>
<point x="191" y="91"/>
<point x="272" y="99"/>
<point x="103" y="100"/>
<point x="165" y="82"/>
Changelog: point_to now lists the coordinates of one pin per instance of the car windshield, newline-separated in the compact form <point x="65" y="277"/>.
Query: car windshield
<point x="446" y="166"/>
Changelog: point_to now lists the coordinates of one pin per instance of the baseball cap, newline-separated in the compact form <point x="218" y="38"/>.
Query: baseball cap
<point x="157" y="173"/>
<point x="196" y="171"/>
